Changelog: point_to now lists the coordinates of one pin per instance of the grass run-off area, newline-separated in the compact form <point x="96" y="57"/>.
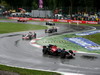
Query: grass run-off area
<point x="95" y="38"/>
<point x="22" y="71"/>
<point x="6" y="27"/>
<point x="61" y="43"/>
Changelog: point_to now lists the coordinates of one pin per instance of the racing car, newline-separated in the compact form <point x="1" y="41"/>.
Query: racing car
<point x="55" y="51"/>
<point x="51" y="30"/>
<point x="21" y="20"/>
<point x="28" y="36"/>
<point x="50" y="23"/>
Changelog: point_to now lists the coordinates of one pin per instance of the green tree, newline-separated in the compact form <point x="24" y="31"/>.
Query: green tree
<point x="4" y="3"/>
<point x="53" y="4"/>
<point x="35" y="4"/>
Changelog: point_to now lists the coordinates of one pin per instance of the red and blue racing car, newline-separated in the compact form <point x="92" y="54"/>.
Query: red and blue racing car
<point x="55" y="51"/>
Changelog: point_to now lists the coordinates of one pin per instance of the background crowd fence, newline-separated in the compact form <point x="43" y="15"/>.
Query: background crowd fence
<point x="77" y="12"/>
<point x="42" y="13"/>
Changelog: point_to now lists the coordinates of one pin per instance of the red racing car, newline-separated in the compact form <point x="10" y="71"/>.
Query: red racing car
<point x="21" y="20"/>
<point x="54" y="50"/>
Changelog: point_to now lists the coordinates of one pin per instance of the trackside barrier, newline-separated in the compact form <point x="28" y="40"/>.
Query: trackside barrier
<point x="56" y="20"/>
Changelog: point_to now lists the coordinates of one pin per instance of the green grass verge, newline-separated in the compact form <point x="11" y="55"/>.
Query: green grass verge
<point x="22" y="71"/>
<point x="16" y="27"/>
<point x="60" y="42"/>
<point x="7" y="19"/>
<point x="95" y="38"/>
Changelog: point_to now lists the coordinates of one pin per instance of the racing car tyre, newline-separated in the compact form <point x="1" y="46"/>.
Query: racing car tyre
<point x="55" y="30"/>
<point x="18" y="21"/>
<point x="71" y="52"/>
<point x="62" y="55"/>
<point x="46" y="24"/>
<point x="45" y="50"/>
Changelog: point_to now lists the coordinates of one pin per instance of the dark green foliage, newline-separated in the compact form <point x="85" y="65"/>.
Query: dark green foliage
<point x="52" y="4"/>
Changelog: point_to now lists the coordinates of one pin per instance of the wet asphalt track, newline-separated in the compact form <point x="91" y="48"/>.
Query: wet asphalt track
<point x="16" y="52"/>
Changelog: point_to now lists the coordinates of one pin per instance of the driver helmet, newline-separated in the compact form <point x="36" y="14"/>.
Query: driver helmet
<point x="63" y="49"/>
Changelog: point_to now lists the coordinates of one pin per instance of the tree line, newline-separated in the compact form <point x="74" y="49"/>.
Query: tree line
<point x="53" y="4"/>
